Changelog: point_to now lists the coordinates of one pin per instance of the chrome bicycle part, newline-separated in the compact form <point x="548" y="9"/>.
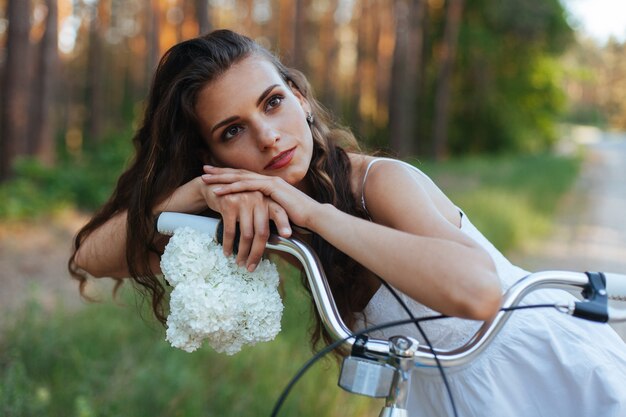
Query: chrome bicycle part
<point x="401" y="349"/>
<point x="366" y="377"/>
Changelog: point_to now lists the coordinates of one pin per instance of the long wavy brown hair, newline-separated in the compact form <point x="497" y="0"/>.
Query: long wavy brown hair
<point x="168" y="149"/>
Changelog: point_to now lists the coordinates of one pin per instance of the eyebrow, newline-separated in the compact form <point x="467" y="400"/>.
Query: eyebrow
<point x="265" y="93"/>
<point x="233" y="118"/>
<point x="224" y="122"/>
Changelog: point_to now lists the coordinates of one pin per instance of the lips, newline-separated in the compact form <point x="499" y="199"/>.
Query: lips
<point x="281" y="160"/>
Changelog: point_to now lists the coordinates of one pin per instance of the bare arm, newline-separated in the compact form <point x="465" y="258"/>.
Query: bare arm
<point x="410" y="243"/>
<point x="103" y="252"/>
<point x="414" y="247"/>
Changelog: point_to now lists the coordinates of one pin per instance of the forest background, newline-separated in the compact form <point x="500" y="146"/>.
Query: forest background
<point x="427" y="79"/>
<point x="481" y="94"/>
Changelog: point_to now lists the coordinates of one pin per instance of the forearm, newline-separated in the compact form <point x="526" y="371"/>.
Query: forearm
<point x="448" y="276"/>
<point x="103" y="252"/>
<point x="187" y="198"/>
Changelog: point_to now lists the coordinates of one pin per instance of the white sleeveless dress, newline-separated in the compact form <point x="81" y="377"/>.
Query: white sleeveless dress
<point x="542" y="364"/>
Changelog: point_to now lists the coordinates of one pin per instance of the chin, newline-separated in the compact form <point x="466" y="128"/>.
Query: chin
<point x="295" y="179"/>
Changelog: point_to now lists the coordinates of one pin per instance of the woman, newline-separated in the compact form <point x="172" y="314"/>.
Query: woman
<point x="229" y="131"/>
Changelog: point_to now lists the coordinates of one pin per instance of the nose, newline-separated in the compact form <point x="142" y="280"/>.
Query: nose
<point x="267" y="136"/>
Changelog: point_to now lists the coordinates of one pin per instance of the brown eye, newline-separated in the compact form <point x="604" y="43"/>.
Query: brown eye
<point x="274" y="101"/>
<point x="230" y="132"/>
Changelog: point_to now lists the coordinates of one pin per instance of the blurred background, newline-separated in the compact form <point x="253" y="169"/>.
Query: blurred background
<point x="516" y="109"/>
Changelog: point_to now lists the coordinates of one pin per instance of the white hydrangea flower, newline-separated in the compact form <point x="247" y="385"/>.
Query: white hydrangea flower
<point x="214" y="299"/>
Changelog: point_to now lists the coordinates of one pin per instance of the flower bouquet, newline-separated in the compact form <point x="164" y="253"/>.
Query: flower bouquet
<point x="216" y="300"/>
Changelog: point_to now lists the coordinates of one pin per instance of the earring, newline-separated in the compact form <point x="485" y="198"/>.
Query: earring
<point x="309" y="118"/>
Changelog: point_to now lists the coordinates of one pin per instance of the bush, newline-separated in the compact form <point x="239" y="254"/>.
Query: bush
<point x="83" y="182"/>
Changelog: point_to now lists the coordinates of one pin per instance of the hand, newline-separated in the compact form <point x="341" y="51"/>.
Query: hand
<point x="253" y="211"/>
<point x="299" y="207"/>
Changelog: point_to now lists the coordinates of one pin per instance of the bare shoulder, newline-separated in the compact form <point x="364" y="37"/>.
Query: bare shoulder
<point x="393" y="190"/>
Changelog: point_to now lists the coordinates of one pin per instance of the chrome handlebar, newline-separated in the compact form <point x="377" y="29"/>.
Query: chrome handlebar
<point x="329" y="314"/>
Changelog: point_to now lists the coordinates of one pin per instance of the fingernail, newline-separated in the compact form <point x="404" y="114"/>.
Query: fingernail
<point x="286" y="231"/>
<point x="208" y="166"/>
<point x="217" y="190"/>
<point x="206" y="176"/>
<point x="251" y="267"/>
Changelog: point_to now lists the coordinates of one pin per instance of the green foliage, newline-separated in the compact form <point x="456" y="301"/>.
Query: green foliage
<point x="507" y="94"/>
<point x="105" y="361"/>
<point x="586" y="114"/>
<point x="18" y="395"/>
<point x="595" y="83"/>
<point x="85" y="181"/>
<point x="510" y="199"/>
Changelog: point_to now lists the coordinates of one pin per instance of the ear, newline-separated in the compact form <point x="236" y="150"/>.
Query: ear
<point x="303" y="101"/>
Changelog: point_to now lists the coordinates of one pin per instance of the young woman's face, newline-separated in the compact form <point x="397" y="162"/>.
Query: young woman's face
<point x="252" y="120"/>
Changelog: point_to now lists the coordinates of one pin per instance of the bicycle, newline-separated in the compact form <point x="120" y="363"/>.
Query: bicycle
<point x="382" y="368"/>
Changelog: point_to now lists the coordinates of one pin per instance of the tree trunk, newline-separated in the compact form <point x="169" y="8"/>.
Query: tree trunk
<point x="405" y="74"/>
<point x="44" y="82"/>
<point x="152" y="35"/>
<point x="422" y="101"/>
<point x="384" y="64"/>
<point x="444" y="78"/>
<point x="202" y="16"/>
<point x="285" y="31"/>
<point x="368" y="31"/>
<point x="15" y="87"/>
<point x="94" y="78"/>
<point x="299" y="36"/>
<point x="329" y="50"/>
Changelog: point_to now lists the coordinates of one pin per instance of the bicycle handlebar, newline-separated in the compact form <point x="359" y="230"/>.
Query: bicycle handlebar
<point x="329" y="314"/>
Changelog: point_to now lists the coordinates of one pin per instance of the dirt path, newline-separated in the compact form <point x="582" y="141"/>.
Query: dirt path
<point x="590" y="230"/>
<point x="33" y="259"/>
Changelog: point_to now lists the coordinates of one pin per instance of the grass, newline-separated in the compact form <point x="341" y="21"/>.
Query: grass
<point x="510" y="199"/>
<point x="103" y="360"/>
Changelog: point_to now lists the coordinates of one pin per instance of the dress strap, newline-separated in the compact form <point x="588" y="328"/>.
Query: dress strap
<point x="367" y="170"/>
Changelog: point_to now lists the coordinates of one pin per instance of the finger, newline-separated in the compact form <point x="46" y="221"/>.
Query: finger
<point x="210" y="169"/>
<point x="280" y="218"/>
<point x="261" y="234"/>
<point x="229" y="178"/>
<point x="228" y="237"/>
<point x="221" y="178"/>
<point x="263" y="186"/>
<point x="246" y="233"/>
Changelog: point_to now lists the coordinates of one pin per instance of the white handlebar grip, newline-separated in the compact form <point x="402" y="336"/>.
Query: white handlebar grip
<point x="616" y="286"/>
<point x="617" y="315"/>
<point x="170" y="221"/>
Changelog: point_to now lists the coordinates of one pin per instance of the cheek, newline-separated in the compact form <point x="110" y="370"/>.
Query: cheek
<point x="295" y="122"/>
<point x="234" y="158"/>
<point x="219" y="157"/>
